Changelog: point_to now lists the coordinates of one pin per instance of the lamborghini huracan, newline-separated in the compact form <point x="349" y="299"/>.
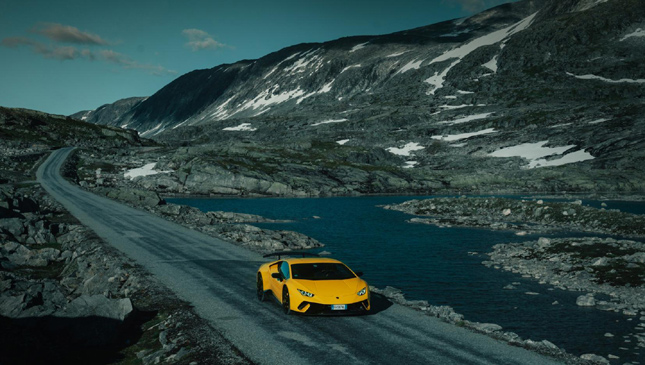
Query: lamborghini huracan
<point x="312" y="285"/>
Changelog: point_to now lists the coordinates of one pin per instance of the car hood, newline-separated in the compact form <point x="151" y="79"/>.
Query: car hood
<point x="332" y="287"/>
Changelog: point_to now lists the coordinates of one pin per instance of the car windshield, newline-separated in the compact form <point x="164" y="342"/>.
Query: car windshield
<point x="321" y="271"/>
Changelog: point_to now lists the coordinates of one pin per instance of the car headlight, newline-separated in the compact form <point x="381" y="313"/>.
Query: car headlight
<point x="306" y="293"/>
<point x="362" y="292"/>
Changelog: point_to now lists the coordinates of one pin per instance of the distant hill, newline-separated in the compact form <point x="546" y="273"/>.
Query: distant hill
<point x="22" y="128"/>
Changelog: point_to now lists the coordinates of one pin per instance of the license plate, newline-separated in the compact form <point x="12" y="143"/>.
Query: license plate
<point x="339" y="307"/>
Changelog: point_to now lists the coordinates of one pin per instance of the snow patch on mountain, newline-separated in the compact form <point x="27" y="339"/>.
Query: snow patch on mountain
<point x="638" y="33"/>
<point x="466" y="119"/>
<point x="324" y="89"/>
<point x="303" y="63"/>
<point x="457" y="137"/>
<point x="588" y="4"/>
<point x="439" y="78"/>
<point x="358" y="46"/>
<point x="329" y="122"/>
<point x="412" y="65"/>
<point x="487" y="40"/>
<point x="151" y="131"/>
<point x="220" y="112"/>
<point x="452" y="107"/>
<point x="268" y="97"/>
<point x="405" y="150"/>
<point x="244" y="127"/>
<point x="462" y="51"/>
<point x="350" y="67"/>
<point x="410" y="164"/>
<point x="597" y="121"/>
<point x="595" y="77"/>
<point x="397" y="54"/>
<point x="492" y="64"/>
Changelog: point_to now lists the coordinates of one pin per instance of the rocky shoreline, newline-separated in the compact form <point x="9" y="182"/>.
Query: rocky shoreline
<point x="610" y="272"/>
<point x="447" y="314"/>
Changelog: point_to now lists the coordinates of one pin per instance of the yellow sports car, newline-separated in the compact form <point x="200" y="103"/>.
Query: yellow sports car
<point x="313" y="285"/>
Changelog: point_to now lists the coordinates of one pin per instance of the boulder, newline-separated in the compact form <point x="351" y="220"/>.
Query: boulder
<point x="594" y="358"/>
<point x="587" y="300"/>
<point x="98" y="306"/>
<point x="13" y="226"/>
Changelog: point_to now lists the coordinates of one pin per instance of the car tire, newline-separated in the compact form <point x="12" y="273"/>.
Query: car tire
<point x="286" y="302"/>
<point x="262" y="295"/>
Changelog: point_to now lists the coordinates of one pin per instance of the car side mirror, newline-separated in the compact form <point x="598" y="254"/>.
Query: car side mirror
<point x="359" y="273"/>
<point x="277" y="275"/>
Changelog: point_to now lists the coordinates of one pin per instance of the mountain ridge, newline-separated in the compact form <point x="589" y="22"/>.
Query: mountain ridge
<point x="532" y="95"/>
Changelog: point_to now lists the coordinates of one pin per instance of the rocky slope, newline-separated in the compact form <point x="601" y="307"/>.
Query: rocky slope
<point x="67" y="297"/>
<point x="108" y="114"/>
<point x="529" y="96"/>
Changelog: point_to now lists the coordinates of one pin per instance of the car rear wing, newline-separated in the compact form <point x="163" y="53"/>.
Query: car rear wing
<point x="303" y="254"/>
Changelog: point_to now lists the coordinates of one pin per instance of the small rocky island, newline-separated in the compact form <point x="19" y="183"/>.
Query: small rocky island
<point x="524" y="216"/>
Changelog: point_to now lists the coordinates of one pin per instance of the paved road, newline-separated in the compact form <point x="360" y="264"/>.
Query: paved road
<point x="218" y="278"/>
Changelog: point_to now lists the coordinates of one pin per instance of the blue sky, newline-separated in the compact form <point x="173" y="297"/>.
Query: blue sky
<point x="65" y="56"/>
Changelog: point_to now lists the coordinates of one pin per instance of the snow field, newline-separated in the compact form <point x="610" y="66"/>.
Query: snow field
<point x="536" y="154"/>
<point x="460" y="52"/>
<point x="244" y="127"/>
<point x="145" y="170"/>
<point x="405" y="150"/>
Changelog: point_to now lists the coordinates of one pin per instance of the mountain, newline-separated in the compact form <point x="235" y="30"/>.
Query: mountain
<point x="532" y="95"/>
<point x="108" y="114"/>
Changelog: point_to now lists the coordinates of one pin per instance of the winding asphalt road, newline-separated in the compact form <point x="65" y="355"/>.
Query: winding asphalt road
<point x="218" y="278"/>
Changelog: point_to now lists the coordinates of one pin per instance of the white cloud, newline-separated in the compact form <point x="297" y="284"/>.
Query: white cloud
<point x="198" y="40"/>
<point x="68" y="34"/>
<point x="59" y="33"/>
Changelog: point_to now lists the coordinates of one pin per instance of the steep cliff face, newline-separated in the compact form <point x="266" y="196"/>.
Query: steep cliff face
<point x="544" y="94"/>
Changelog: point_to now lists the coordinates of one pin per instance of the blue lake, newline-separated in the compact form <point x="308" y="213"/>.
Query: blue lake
<point x="444" y="267"/>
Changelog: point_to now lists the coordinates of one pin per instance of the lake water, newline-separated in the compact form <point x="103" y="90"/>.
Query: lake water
<point x="444" y="267"/>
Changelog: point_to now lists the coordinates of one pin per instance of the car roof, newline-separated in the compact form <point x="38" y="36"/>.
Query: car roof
<point x="309" y="260"/>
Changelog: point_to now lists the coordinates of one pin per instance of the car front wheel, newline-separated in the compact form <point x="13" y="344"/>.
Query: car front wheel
<point x="260" y="291"/>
